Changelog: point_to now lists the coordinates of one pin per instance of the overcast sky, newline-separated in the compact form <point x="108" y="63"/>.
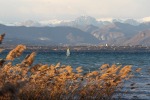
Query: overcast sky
<point x="38" y="10"/>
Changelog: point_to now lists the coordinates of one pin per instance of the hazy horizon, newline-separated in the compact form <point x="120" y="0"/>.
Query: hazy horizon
<point x="37" y="10"/>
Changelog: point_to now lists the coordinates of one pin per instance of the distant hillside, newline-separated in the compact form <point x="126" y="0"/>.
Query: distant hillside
<point x="122" y="34"/>
<point x="82" y="31"/>
<point x="142" y="38"/>
<point x="46" y="36"/>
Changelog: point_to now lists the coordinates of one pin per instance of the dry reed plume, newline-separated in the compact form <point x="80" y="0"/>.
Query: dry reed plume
<point x="2" y="37"/>
<point x="15" y="52"/>
<point x="25" y="81"/>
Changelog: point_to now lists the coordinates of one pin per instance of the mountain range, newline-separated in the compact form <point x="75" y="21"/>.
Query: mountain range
<point x="84" y="30"/>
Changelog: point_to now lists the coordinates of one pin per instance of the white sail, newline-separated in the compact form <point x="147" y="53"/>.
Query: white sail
<point x="68" y="52"/>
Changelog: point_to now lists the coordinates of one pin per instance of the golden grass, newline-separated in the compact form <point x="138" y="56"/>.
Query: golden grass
<point x="2" y="37"/>
<point x="15" y="52"/>
<point x="25" y="81"/>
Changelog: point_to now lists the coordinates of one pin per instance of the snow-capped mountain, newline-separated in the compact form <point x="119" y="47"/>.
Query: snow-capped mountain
<point x="54" y="22"/>
<point x="28" y="23"/>
<point x="146" y="19"/>
<point x="127" y="21"/>
<point x="112" y="32"/>
<point x="85" y="20"/>
<point x="78" y="22"/>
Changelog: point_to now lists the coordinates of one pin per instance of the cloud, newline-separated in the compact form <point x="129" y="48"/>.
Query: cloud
<point x="70" y="9"/>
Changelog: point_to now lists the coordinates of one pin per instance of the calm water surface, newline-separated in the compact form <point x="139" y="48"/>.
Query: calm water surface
<point x="93" y="60"/>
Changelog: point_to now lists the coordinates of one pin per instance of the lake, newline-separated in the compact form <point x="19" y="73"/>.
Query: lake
<point x="93" y="60"/>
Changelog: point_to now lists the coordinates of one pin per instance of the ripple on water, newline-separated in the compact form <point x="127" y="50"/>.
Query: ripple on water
<point x="93" y="60"/>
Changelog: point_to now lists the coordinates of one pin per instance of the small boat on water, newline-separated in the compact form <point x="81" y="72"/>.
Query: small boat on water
<point x="68" y="52"/>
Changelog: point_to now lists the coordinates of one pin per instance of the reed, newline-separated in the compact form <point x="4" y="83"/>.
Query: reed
<point x="2" y="37"/>
<point x="25" y="81"/>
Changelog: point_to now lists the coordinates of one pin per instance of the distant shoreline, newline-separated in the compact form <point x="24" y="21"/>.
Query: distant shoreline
<point x="84" y="48"/>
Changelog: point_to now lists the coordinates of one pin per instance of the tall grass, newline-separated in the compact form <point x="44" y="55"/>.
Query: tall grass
<point x="25" y="81"/>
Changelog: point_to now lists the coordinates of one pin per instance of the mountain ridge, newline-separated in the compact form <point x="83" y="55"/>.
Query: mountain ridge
<point x="82" y="31"/>
<point x="46" y="35"/>
<point x="81" y="20"/>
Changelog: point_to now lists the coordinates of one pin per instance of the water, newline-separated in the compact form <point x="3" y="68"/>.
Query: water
<point x="93" y="61"/>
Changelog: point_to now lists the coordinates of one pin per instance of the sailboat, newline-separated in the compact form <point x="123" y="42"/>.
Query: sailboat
<point x="68" y="52"/>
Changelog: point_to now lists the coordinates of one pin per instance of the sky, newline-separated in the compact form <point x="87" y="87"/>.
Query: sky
<point x="38" y="10"/>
